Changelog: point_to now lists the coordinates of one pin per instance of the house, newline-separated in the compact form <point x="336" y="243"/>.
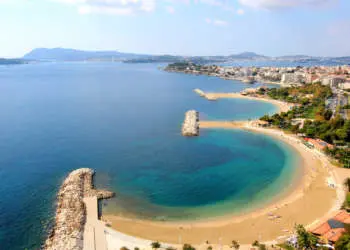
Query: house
<point x="331" y="230"/>
<point x="319" y="144"/>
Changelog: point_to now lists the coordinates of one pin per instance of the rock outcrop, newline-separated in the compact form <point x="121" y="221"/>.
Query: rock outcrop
<point x="190" y="126"/>
<point x="71" y="213"/>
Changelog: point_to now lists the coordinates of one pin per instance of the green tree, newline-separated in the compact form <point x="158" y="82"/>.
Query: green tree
<point x="188" y="247"/>
<point x="155" y="245"/>
<point x="327" y="114"/>
<point x="209" y="248"/>
<point x="124" y="248"/>
<point x="343" y="243"/>
<point x="347" y="184"/>
<point x="262" y="247"/>
<point x="305" y="239"/>
<point x="235" y="245"/>
<point x="170" y="248"/>
<point x="255" y="243"/>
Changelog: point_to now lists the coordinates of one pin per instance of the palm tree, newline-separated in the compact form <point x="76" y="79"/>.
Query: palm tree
<point x="188" y="247"/>
<point x="343" y="242"/>
<point x="255" y="243"/>
<point x="155" y="245"/>
<point x="305" y="239"/>
<point x="235" y="245"/>
<point x="347" y="184"/>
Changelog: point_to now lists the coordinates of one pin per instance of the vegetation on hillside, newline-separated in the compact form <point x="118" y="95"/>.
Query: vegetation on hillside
<point x="319" y="122"/>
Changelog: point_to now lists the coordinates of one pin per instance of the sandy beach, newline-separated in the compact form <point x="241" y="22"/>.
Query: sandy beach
<point x="282" y="106"/>
<point x="310" y="201"/>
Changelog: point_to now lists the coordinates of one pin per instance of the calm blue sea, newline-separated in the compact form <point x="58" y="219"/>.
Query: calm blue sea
<point x="124" y="121"/>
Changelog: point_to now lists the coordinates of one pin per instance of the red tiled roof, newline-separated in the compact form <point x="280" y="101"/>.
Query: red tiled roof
<point x="334" y="234"/>
<point x="322" y="229"/>
<point x="342" y="216"/>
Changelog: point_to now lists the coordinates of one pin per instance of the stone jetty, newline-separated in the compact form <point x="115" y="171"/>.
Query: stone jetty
<point x="203" y="94"/>
<point x="70" y="218"/>
<point x="190" y="126"/>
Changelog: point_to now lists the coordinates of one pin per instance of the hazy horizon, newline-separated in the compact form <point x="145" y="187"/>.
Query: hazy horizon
<point x="183" y="27"/>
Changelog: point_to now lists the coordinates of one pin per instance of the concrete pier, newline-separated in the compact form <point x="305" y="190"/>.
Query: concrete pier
<point x="190" y="126"/>
<point x="71" y="212"/>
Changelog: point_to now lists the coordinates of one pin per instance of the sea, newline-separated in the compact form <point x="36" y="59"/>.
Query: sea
<point x="124" y="121"/>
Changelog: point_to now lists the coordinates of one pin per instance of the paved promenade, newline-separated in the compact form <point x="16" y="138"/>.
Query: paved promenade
<point x="94" y="235"/>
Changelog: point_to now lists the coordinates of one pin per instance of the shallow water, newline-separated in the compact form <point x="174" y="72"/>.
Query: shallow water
<point x="124" y="121"/>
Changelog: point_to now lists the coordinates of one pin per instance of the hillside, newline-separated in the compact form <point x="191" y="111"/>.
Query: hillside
<point x="62" y="54"/>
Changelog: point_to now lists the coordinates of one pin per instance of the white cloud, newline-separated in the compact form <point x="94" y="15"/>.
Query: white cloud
<point x="113" y="7"/>
<point x="240" y="12"/>
<point x="220" y="22"/>
<point x="225" y="5"/>
<point x="278" y="4"/>
<point x="170" y="9"/>
<point x="88" y="9"/>
<point x="216" y="22"/>
<point x="208" y="20"/>
<point x="213" y="2"/>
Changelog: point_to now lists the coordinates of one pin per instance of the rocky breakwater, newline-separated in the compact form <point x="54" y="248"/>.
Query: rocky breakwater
<point x="203" y="94"/>
<point x="71" y="212"/>
<point x="190" y="126"/>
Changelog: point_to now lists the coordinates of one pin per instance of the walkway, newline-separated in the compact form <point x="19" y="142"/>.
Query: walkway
<point x="94" y="235"/>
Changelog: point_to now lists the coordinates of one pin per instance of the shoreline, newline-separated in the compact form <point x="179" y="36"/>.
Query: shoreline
<point x="239" y="79"/>
<point x="282" y="106"/>
<point x="275" y="220"/>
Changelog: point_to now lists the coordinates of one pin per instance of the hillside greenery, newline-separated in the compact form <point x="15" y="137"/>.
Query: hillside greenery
<point x="319" y="123"/>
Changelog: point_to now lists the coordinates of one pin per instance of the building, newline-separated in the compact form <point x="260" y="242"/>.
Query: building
<point x="330" y="231"/>
<point x="319" y="144"/>
<point x="332" y="81"/>
<point x="345" y="85"/>
<point x="293" y="78"/>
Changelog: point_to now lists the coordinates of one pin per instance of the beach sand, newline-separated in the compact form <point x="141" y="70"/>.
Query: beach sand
<point x="311" y="201"/>
<point x="282" y="106"/>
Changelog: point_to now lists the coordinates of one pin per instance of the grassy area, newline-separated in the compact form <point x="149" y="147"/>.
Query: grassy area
<point x="310" y="113"/>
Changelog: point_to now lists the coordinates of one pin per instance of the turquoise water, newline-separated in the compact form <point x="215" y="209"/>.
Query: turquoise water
<point x="219" y="173"/>
<point x="124" y="121"/>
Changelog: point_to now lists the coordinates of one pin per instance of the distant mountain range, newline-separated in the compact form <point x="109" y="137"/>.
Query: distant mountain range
<point x="62" y="54"/>
<point x="4" y="61"/>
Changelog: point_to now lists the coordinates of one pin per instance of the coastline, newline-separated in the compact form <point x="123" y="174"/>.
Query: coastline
<point x="275" y="220"/>
<point x="240" y="79"/>
<point x="282" y="106"/>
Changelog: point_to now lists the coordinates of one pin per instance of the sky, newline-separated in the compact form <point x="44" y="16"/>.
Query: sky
<point x="179" y="27"/>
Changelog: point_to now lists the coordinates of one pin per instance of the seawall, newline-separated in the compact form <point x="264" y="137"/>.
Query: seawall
<point x="190" y="126"/>
<point x="70" y="218"/>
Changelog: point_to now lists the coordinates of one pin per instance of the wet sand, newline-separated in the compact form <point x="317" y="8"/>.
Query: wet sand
<point x="310" y="201"/>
